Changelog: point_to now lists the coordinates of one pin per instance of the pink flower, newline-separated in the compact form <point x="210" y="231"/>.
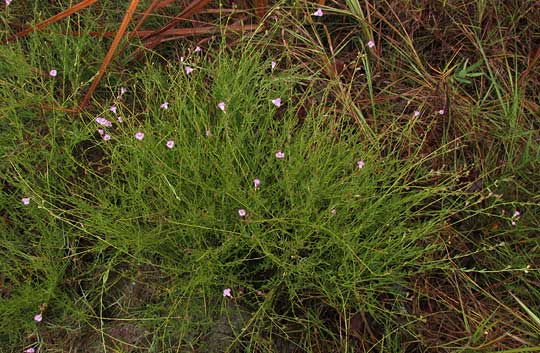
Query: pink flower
<point x="164" y="105"/>
<point x="119" y="118"/>
<point x="188" y="69"/>
<point x="139" y="135"/>
<point x="280" y="154"/>
<point x="221" y="105"/>
<point x="181" y="59"/>
<point x="38" y="317"/>
<point x="53" y="73"/>
<point x="416" y="113"/>
<point x="103" y="121"/>
<point x="123" y="90"/>
<point x="8" y="2"/>
<point x="113" y="109"/>
<point x="371" y="44"/>
<point x="29" y="350"/>
<point x="360" y="164"/>
<point x="273" y="64"/>
<point x="227" y="293"/>
<point x="256" y="183"/>
<point x="170" y="144"/>
<point x="277" y="102"/>
<point x="242" y="212"/>
<point x="318" y="13"/>
<point x="25" y="201"/>
<point x="207" y="133"/>
<point x="197" y="49"/>
<point x="333" y="211"/>
<point x="106" y="137"/>
<point x="100" y="131"/>
<point x="441" y="112"/>
<point x="515" y="216"/>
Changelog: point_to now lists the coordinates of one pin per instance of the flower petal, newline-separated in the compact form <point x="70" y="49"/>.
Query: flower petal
<point x="318" y="13"/>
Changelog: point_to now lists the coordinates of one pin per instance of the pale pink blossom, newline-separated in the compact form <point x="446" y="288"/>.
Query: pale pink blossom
<point x="280" y="154"/>
<point x="29" y="350"/>
<point x="139" y="135"/>
<point x="164" y="105"/>
<point x="53" y="73"/>
<point x="25" y="201"/>
<point x="371" y="44"/>
<point x="256" y="183"/>
<point x="8" y="2"/>
<point x="318" y="13"/>
<point x="416" y="113"/>
<point x="441" y="112"/>
<point x="273" y="65"/>
<point x="277" y="102"/>
<point x="221" y="105"/>
<point x="103" y="121"/>
<point x="188" y="69"/>
<point x="197" y="49"/>
<point x="242" y="212"/>
<point x="119" y="118"/>
<point x="333" y="211"/>
<point x="38" y="317"/>
<point x="170" y="144"/>
<point x="227" y="293"/>
<point x="360" y="164"/>
<point x="515" y="217"/>
<point x="106" y="137"/>
<point x="113" y="109"/>
<point x="101" y="131"/>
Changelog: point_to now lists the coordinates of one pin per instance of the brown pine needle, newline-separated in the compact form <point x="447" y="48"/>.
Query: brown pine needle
<point x="123" y="26"/>
<point x="82" y="5"/>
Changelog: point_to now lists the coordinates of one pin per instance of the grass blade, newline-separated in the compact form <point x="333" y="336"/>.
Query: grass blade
<point x="529" y="312"/>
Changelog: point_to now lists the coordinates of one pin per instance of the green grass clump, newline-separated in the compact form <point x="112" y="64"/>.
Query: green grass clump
<point x="102" y="212"/>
